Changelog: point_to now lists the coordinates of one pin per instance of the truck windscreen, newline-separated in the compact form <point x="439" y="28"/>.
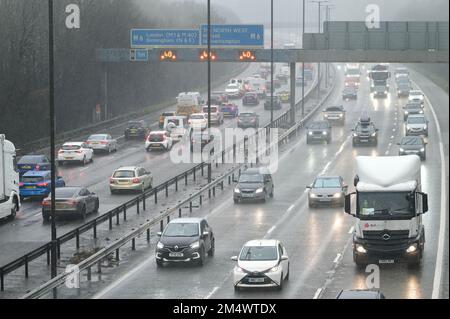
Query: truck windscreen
<point x="385" y="205"/>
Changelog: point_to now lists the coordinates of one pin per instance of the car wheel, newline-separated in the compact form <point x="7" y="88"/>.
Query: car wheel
<point x="83" y="212"/>
<point x="83" y="162"/>
<point x="424" y="157"/>
<point x="271" y="193"/>
<point x="61" y="163"/>
<point x="236" y="201"/>
<point x="113" y="191"/>
<point x="97" y="205"/>
<point x="213" y="248"/>
<point x="201" y="260"/>
<point x="109" y="150"/>
<point x="237" y="289"/>
<point x="265" y="197"/>
<point x="159" y="264"/>
<point x="14" y="210"/>
<point x="311" y="204"/>
<point x="45" y="217"/>
<point x="280" y="287"/>
<point x="287" y="275"/>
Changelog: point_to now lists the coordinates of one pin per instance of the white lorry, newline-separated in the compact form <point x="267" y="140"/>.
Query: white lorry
<point x="9" y="179"/>
<point x="389" y="207"/>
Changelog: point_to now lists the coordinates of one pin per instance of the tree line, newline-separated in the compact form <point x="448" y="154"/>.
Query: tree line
<point x="79" y="78"/>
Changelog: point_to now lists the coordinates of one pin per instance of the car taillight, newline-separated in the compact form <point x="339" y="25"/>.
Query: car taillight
<point x="44" y="184"/>
<point x="21" y="184"/>
<point x="37" y="167"/>
<point x="72" y="202"/>
<point x="104" y="142"/>
<point x="136" y="180"/>
<point x="46" y="203"/>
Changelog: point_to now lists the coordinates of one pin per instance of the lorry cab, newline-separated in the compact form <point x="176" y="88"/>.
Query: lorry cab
<point x="9" y="179"/>
<point x="188" y="103"/>
<point x="389" y="206"/>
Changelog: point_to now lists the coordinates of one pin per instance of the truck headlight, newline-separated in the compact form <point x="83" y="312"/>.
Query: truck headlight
<point x="412" y="248"/>
<point x="361" y="249"/>
<point x="195" y="245"/>
<point x="406" y="112"/>
<point x="374" y="134"/>
<point x="355" y="135"/>
<point x="237" y="190"/>
<point x="310" y="133"/>
<point x="324" y="133"/>
<point x="160" y="245"/>
<point x="259" y="190"/>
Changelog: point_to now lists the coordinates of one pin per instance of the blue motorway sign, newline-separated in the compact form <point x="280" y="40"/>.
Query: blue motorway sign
<point x="228" y="35"/>
<point x="140" y="55"/>
<point x="164" y="38"/>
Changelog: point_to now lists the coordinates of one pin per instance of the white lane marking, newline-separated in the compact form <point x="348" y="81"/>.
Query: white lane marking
<point x="338" y="257"/>
<point x="441" y="242"/>
<point x="351" y="230"/>
<point x="212" y="292"/>
<point x="392" y="136"/>
<point x="271" y="229"/>
<point x="290" y="208"/>
<point x="317" y="294"/>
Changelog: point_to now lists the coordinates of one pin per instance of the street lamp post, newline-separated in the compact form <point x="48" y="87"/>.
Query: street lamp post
<point x="271" y="63"/>
<point x="51" y="63"/>
<point x="303" y="63"/>
<point x="327" y="65"/>
<point x="209" y="85"/>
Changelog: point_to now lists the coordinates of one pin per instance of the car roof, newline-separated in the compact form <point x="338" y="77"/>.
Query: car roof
<point x="195" y="220"/>
<point x="74" y="143"/>
<point x="33" y="156"/>
<point x="36" y="173"/>
<point x="358" y="294"/>
<point x="127" y="168"/>
<point x="256" y="170"/>
<point x="416" y="115"/>
<point x="262" y="242"/>
<point x="415" y="92"/>
<point x="158" y="132"/>
<point x="327" y="177"/>
<point x="247" y="113"/>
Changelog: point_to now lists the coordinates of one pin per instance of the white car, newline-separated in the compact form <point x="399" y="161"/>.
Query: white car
<point x="261" y="263"/>
<point x="75" y="152"/>
<point x="198" y="121"/>
<point x="416" y="96"/>
<point x="216" y="114"/>
<point x="158" y="140"/>
<point x="234" y="91"/>
<point x="102" y="142"/>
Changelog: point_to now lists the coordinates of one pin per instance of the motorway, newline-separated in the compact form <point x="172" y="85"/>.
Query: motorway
<point x="28" y="231"/>
<point x="318" y="241"/>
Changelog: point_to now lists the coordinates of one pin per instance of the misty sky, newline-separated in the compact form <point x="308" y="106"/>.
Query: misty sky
<point x="258" y="11"/>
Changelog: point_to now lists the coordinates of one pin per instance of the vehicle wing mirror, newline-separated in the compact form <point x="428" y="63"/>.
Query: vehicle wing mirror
<point x="424" y="202"/>
<point x="205" y="234"/>
<point x="284" y="257"/>
<point x="308" y="186"/>
<point x="234" y="258"/>
<point x="159" y="234"/>
<point x="348" y="204"/>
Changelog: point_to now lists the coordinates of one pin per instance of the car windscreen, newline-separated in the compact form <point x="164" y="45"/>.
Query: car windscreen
<point x="416" y="120"/>
<point x="30" y="160"/>
<point x="156" y="137"/>
<point x="66" y="192"/>
<point x="197" y="117"/>
<point x="327" y="183"/>
<point x="181" y="230"/>
<point x="334" y="109"/>
<point x="123" y="174"/>
<point x="364" y="127"/>
<point x="411" y="141"/>
<point x="318" y="125"/>
<point x="168" y="114"/>
<point x="71" y="147"/>
<point x="97" y="137"/>
<point x="259" y="253"/>
<point x="32" y="179"/>
<point x="413" y="107"/>
<point x="251" y="178"/>
<point x="385" y="205"/>
<point x="134" y="124"/>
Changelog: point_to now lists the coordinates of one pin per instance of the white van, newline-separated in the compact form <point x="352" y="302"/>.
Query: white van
<point x="188" y="103"/>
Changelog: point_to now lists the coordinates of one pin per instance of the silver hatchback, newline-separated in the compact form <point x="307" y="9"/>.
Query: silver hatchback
<point x="132" y="178"/>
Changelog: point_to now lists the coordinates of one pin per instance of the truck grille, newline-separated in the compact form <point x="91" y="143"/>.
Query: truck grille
<point x="386" y="235"/>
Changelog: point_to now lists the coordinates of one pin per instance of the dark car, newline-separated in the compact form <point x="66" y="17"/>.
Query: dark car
<point x="334" y="114"/>
<point x="365" y="133"/>
<point x="276" y="102"/>
<point x="318" y="131"/>
<point x="403" y="89"/>
<point x="412" y="109"/>
<point x="248" y="119"/>
<point x="276" y="85"/>
<point x="199" y="140"/>
<point x="33" y="163"/>
<point x="410" y="145"/>
<point x="328" y="190"/>
<point x="229" y="110"/>
<point x="185" y="240"/>
<point x="255" y="184"/>
<point x="38" y="184"/>
<point x="71" y="201"/>
<point x="360" y="294"/>
<point x="217" y="98"/>
<point x="137" y="129"/>
<point x="350" y="93"/>
<point x="250" y="98"/>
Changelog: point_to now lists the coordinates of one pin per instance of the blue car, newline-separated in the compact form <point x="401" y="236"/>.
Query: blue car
<point x="229" y="110"/>
<point x="33" y="163"/>
<point x="37" y="184"/>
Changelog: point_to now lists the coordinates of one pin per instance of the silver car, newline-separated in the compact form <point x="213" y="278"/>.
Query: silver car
<point x="327" y="190"/>
<point x="133" y="178"/>
<point x="416" y="125"/>
<point x="102" y="142"/>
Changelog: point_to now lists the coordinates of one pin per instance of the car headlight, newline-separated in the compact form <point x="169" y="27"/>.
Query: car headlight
<point x="412" y="248"/>
<point x="385" y="92"/>
<point x="312" y="195"/>
<point x="310" y="133"/>
<point x="361" y="249"/>
<point x="160" y="245"/>
<point x="406" y="112"/>
<point x="425" y="127"/>
<point x="401" y="150"/>
<point x="421" y="112"/>
<point x="374" y="134"/>
<point x="422" y="149"/>
<point x="274" y="269"/>
<point x="195" y="245"/>
<point x="324" y="133"/>
<point x="237" y="190"/>
<point x="259" y="190"/>
<point x="340" y="115"/>
<point x="325" y="115"/>
<point x="238" y="269"/>
<point x="355" y="135"/>
<point x="337" y="195"/>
